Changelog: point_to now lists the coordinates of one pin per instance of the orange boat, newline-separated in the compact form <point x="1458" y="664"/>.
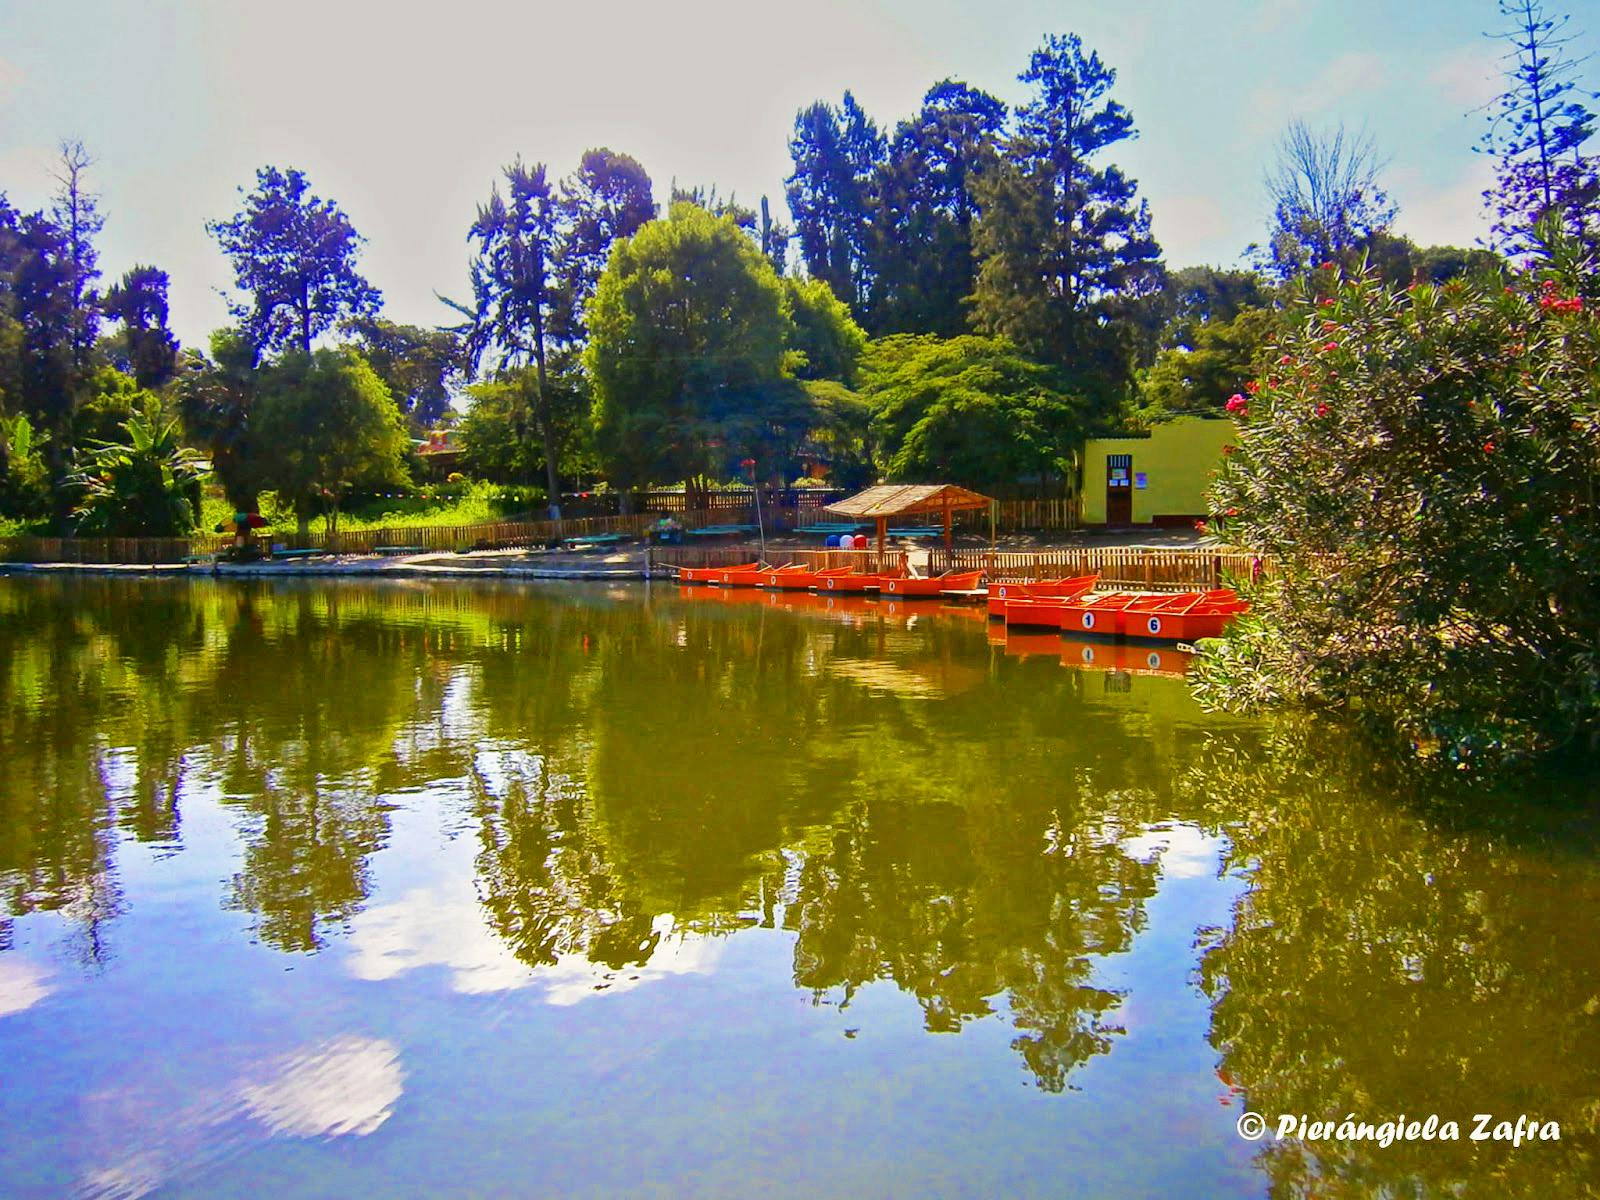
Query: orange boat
<point x="801" y="579"/>
<point x="852" y="581"/>
<point x="712" y="574"/>
<point x="932" y="586"/>
<point x="769" y="577"/>
<point x="1186" y="617"/>
<point x="1098" y="613"/>
<point x="999" y="593"/>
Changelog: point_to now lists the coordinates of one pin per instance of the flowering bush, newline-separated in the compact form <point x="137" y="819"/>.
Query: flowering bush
<point x="1426" y="481"/>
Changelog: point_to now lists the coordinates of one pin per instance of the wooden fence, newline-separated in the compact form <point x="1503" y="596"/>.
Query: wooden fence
<point x="1118" y="566"/>
<point x="664" y="557"/>
<point x="432" y="538"/>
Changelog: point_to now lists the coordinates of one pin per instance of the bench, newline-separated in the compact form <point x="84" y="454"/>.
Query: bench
<point x="297" y="553"/>
<point x="386" y="550"/>
<point x="921" y="531"/>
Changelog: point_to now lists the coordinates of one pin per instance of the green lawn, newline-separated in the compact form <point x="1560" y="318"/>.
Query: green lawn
<point x="481" y="504"/>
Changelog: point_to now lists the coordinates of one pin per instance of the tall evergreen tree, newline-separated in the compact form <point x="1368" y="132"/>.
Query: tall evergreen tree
<point x="1064" y="244"/>
<point x="836" y="153"/>
<point x="294" y="257"/>
<point x="1537" y="129"/>
<point x="76" y="212"/>
<point x="147" y="349"/>
<point x="608" y="197"/>
<point x="923" y="207"/>
<point x="516" y="291"/>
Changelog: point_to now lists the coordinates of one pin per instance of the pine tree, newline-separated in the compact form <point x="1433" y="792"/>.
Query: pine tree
<point x="836" y="152"/>
<point x="1537" y="129"/>
<point x="1063" y="241"/>
<point x="923" y="208"/>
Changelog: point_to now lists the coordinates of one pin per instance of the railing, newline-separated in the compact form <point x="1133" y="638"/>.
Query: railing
<point x="1117" y="566"/>
<point x="664" y="557"/>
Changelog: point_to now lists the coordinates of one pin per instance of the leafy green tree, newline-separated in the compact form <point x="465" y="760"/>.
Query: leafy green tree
<point x="146" y="347"/>
<point x="496" y="432"/>
<point x="836" y="152"/>
<point x="417" y="365"/>
<point x="45" y="373"/>
<point x="324" y="424"/>
<point x="217" y="398"/>
<point x="1064" y="243"/>
<point x="1536" y="133"/>
<point x="824" y="332"/>
<point x="1420" y="466"/>
<point x="923" y="205"/>
<point x="147" y="486"/>
<point x="1220" y="359"/>
<point x="971" y="410"/>
<point x="24" y="479"/>
<point x="294" y="257"/>
<point x="688" y="336"/>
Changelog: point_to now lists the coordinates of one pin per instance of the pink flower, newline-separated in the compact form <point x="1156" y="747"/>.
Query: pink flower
<point x="1330" y="346"/>
<point x="1328" y="266"/>
<point x="1322" y="410"/>
<point x="1488" y="447"/>
<point x="1326" y="302"/>
<point x="1285" y="360"/>
<point x="1237" y="404"/>
<point x="1252" y="387"/>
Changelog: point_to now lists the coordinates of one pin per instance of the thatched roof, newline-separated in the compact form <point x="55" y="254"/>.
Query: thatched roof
<point x="903" y="500"/>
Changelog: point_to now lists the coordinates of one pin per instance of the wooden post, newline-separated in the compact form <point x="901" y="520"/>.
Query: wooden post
<point x="948" y="546"/>
<point x="883" y="535"/>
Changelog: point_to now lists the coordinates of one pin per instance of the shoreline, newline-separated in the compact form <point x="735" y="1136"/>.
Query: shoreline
<point x="431" y="566"/>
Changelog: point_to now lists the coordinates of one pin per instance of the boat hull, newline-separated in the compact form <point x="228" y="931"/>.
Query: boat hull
<point x="712" y="574"/>
<point x="999" y="593"/>
<point x="954" y="581"/>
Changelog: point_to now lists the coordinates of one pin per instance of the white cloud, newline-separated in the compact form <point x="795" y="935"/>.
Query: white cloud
<point x="1184" y="850"/>
<point x="430" y="927"/>
<point x="1189" y="222"/>
<point x="1320" y="98"/>
<point x="427" y="927"/>
<point x="346" y="1086"/>
<point x="1442" y="212"/>
<point x="22" y="984"/>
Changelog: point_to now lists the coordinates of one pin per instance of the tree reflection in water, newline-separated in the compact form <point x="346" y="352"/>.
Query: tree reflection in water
<point x="1436" y="953"/>
<point x="911" y="805"/>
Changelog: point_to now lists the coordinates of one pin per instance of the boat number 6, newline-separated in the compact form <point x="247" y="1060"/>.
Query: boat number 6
<point x="1154" y="625"/>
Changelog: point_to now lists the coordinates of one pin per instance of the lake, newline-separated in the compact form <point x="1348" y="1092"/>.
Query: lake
<point x="410" y="889"/>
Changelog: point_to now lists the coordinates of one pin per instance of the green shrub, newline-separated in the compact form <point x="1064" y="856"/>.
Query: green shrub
<point x="1423" y="468"/>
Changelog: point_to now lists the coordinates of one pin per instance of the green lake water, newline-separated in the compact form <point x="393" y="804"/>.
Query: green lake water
<point x="404" y="889"/>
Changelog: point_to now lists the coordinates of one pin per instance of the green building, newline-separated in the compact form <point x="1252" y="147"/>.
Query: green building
<point x="1158" y="478"/>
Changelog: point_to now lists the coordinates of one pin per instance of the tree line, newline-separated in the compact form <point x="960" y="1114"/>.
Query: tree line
<point x="965" y="296"/>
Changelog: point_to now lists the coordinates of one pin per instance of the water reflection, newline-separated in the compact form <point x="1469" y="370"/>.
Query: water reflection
<point x="591" y="793"/>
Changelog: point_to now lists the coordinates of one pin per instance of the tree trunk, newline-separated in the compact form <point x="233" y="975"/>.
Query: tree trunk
<point x="551" y="473"/>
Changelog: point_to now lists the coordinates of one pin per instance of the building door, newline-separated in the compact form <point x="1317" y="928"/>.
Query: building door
<point x="1119" y="489"/>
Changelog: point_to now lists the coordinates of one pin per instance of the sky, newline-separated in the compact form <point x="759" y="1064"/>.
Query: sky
<point x="404" y="112"/>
